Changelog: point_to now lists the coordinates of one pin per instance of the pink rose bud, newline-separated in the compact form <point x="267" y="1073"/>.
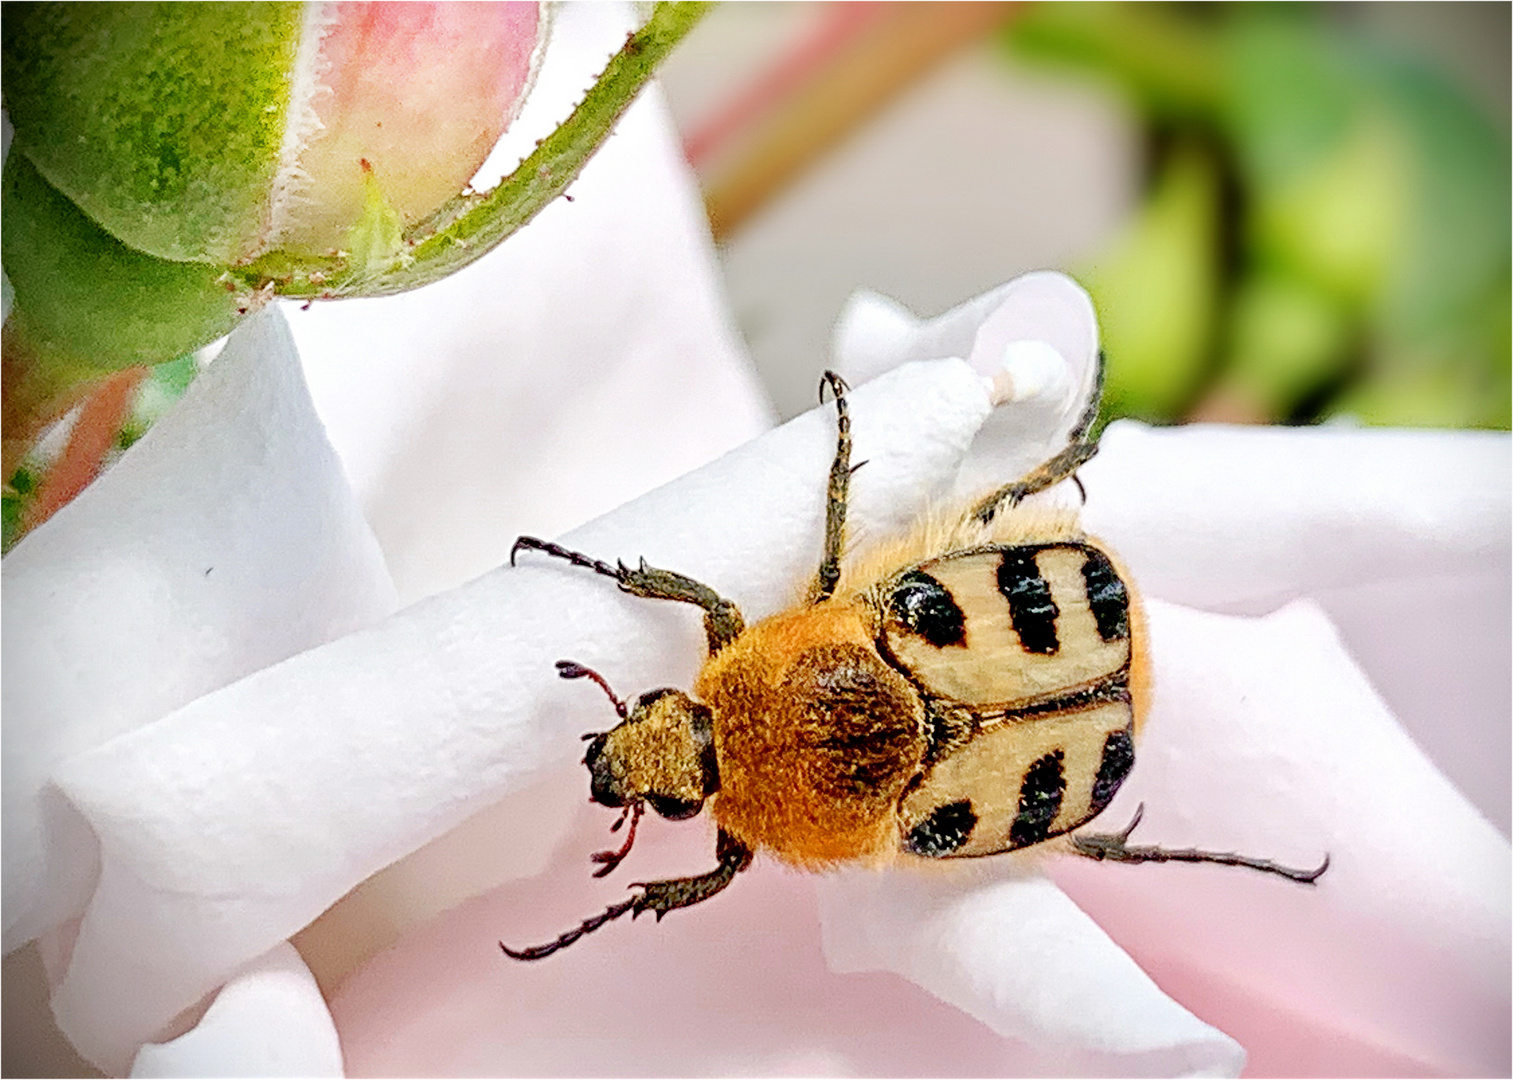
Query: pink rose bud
<point x="174" y="166"/>
<point x="217" y="133"/>
<point x="158" y="146"/>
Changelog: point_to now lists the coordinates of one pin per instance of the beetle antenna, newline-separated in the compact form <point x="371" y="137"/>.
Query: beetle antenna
<point x="587" y="926"/>
<point x="612" y="859"/>
<point x="1115" y="848"/>
<point x="567" y="669"/>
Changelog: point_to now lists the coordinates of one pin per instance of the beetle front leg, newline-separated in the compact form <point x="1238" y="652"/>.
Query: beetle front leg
<point x="660" y="897"/>
<point x="722" y="619"/>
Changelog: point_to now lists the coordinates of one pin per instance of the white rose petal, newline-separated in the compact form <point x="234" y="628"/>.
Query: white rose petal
<point x="226" y="540"/>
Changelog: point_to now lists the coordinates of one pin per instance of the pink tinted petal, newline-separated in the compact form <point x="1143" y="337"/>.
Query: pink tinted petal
<point x="1439" y="649"/>
<point x="421" y="91"/>
<point x="224" y="541"/>
<point x="270" y="1020"/>
<point x="734" y="987"/>
<point x="1006" y="946"/>
<point x="1266" y="739"/>
<point x="1403" y="537"/>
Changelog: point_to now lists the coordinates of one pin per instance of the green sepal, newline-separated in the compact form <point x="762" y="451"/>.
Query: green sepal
<point x="376" y="242"/>
<point x="87" y="304"/>
<point x="175" y="157"/>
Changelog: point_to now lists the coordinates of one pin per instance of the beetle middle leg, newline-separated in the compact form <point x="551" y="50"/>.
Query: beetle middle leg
<point x="1115" y="847"/>
<point x="658" y="897"/>
<point x="722" y="619"/>
<point x="837" y="491"/>
<point x="1078" y="451"/>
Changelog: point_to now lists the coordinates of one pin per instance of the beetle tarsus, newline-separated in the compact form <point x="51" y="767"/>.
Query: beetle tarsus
<point x="1080" y="448"/>
<point x="587" y="926"/>
<point x="658" y="897"/>
<point x="722" y="619"/>
<point x="577" y="558"/>
<point x="836" y="493"/>
<point x="837" y="385"/>
<point x="1115" y="847"/>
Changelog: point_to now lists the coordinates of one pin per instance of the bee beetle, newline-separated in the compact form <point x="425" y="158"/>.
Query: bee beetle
<point x="975" y="687"/>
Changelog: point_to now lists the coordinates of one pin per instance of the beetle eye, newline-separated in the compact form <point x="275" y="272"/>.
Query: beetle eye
<point x="675" y="809"/>
<point x="602" y="788"/>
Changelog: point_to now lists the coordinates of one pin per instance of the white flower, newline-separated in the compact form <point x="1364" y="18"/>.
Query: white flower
<point x="199" y="764"/>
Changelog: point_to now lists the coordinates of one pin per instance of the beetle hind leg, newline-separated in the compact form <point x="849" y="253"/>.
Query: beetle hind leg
<point x="1115" y="847"/>
<point x="577" y="558"/>
<point x="1080" y="448"/>
<point x="587" y="926"/>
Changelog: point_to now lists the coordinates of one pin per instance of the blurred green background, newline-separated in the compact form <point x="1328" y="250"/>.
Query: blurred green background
<point x="1324" y="226"/>
<point x="1284" y="212"/>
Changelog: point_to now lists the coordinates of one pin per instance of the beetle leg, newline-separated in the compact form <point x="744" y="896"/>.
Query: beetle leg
<point x="655" y="896"/>
<point x="1115" y="848"/>
<point x="612" y="859"/>
<point x="1079" y="449"/>
<point x="836" y="492"/>
<point x="660" y="897"/>
<point x="530" y="543"/>
<point x="587" y="926"/>
<point x="722" y="619"/>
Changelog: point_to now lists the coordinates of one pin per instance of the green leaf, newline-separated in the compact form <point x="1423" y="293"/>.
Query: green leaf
<point x="1159" y="54"/>
<point x="159" y="392"/>
<point x="1457" y="244"/>
<point x="1288" y="341"/>
<point x="1288" y="102"/>
<point x="13" y="500"/>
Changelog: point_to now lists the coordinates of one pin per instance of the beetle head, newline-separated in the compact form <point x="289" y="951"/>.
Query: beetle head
<point x="662" y="754"/>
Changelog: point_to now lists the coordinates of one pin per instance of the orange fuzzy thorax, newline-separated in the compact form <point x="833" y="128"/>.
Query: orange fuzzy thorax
<point x="816" y="736"/>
